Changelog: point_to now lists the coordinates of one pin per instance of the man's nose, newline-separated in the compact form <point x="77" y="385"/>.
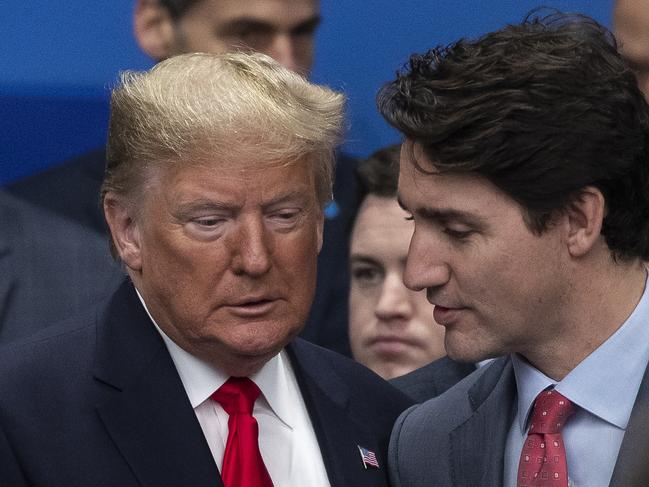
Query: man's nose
<point x="282" y="49"/>
<point x="426" y="266"/>
<point x="251" y="249"/>
<point x="395" y="299"/>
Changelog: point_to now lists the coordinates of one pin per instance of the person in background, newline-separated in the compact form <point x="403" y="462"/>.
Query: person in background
<point x="631" y="28"/>
<point x="525" y="168"/>
<point x="218" y="171"/>
<point x="391" y="328"/>
<point x="53" y="256"/>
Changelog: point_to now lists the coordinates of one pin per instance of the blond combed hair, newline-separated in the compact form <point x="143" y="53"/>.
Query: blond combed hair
<point x="214" y="109"/>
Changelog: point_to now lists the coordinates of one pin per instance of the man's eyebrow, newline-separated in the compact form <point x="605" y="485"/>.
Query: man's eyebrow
<point x="360" y="258"/>
<point x="447" y="215"/>
<point x="297" y="195"/>
<point x="308" y="25"/>
<point x="254" y="24"/>
<point x="215" y="205"/>
<point x="244" y="23"/>
<point x="187" y="209"/>
<point x="443" y="214"/>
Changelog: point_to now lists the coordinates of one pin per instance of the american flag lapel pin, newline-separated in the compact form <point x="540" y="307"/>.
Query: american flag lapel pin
<point x="368" y="457"/>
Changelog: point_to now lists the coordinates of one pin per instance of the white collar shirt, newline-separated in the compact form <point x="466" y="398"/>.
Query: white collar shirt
<point x="287" y="440"/>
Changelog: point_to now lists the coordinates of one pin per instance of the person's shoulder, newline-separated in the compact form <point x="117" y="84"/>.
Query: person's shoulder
<point x="451" y="408"/>
<point x="56" y="350"/>
<point x="86" y="166"/>
<point x="69" y="189"/>
<point x="433" y="379"/>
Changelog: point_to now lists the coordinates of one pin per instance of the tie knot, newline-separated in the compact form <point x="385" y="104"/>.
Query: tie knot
<point x="237" y="395"/>
<point x="551" y="411"/>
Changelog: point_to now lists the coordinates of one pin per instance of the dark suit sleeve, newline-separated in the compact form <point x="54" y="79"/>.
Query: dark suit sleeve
<point x="10" y="471"/>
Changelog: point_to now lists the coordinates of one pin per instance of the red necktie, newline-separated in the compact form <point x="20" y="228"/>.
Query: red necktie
<point x="242" y="462"/>
<point x="543" y="458"/>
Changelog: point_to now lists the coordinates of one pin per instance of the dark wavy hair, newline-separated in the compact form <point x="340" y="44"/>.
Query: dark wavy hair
<point x="379" y="173"/>
<point x="541" y="109"/>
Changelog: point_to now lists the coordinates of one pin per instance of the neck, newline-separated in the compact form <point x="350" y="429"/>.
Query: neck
<point x="598" y="304"/>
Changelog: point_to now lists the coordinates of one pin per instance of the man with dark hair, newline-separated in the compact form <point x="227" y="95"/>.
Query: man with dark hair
<point x="391" y="328"/>
<point x="54" y="260"/>
<point x="526" y="170"/>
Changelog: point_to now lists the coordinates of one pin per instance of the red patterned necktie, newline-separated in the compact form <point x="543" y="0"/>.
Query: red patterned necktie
<point x="543" y="458"/>
<point x="242" y="462"/>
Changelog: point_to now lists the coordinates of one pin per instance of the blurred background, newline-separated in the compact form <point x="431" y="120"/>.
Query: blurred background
<point x="59" y="59"/>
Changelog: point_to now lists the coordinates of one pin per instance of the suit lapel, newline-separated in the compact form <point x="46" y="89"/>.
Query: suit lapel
<point x="478" y="445"/>
<point x="631" y="468"/>
<point x="339" y="428"/>
<point x="146" y="412"/>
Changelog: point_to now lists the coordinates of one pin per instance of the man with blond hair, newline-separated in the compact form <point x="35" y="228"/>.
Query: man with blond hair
<point x="53" y="257"/>
<point x="218" y="169"/>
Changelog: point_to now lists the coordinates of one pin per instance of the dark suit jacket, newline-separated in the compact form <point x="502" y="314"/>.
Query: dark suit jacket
<point x="433" y="379"/>
<point x="458" y="439"/>
<point x="54" y="258"/>
<point x="97" y="402"/>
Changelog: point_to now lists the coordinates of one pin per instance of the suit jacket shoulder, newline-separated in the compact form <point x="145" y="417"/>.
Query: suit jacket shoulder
<point x="433" y="379"/>
<point x="69" y="190"/>
<point x="456" y="439"/>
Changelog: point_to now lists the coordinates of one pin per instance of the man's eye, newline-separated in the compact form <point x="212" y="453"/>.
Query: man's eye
<point x="458" y="234"/>
<point x="366" y="275"/>
<point x="285" y="216"/>
<point x="208" y="222"/>
<point x="304" y="31"/>
<point x="254" y="38"/>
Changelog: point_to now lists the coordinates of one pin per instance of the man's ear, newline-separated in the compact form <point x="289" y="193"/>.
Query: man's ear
<point x="585" y="216"/>
<point x="124" y="231"/>
<point x="154" y="29"/>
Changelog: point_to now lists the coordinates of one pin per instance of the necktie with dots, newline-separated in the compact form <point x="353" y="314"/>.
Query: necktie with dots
<point x="543" y="458"/>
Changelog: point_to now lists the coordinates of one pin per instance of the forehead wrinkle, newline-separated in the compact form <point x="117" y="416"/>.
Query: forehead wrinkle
<point x="301" y="193"/>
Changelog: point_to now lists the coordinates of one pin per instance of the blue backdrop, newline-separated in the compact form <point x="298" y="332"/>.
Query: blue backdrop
<point x="59" y="60"/>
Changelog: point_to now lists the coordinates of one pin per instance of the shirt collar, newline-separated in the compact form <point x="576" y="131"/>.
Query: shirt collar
<point x="200" y="379"/>
<point x="606" y="382"/>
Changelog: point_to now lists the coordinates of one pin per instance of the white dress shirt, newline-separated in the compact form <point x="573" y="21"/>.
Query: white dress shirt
<point x="287" y="441"/>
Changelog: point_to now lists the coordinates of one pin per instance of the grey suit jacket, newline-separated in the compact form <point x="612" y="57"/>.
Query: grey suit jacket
<point x="51" y="266"/>
<point x="433" y="379"/>
<point x="458" y="439"/>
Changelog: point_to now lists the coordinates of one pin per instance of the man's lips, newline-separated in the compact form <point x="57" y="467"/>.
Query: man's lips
<point x="391" y="344"/>
<point x="252" y="306"/>
<point x="251" y="300"/>
<point x="445" y="316"/>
